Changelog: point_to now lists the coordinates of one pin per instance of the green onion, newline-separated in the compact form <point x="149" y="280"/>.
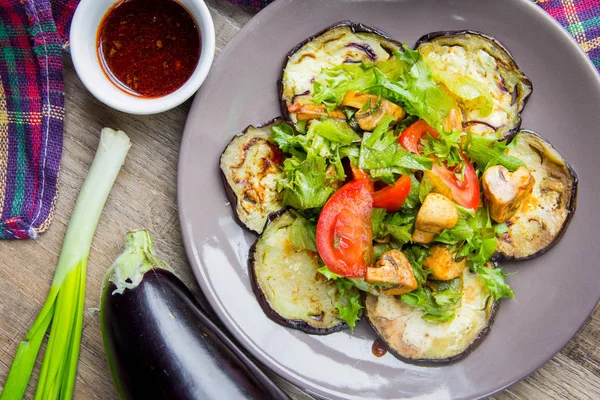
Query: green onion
<point x="64" y="305"/>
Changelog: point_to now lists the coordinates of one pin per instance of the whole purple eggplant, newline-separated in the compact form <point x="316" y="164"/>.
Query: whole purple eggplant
<point x="159" y="342"/>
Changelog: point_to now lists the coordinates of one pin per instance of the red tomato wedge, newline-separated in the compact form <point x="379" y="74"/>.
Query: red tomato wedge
<point x="466" y="191"/>
<point x="344" y="232"/>
<point x="358" y="173"/>
<point x="393" y="197"/>
<point x="411" y="137"/>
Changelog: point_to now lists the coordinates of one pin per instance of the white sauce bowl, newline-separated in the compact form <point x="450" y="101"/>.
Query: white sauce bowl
<point x="84" y="52"/>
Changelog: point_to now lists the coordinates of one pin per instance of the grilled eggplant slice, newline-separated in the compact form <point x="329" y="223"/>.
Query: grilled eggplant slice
<point x="251" y="165"/>
<point x="545" y="214"/>
<point x="344" y="42"/>
<point x="287" y="283"/>
<point x="413" y="339"/>
<point x="485" y="74"/>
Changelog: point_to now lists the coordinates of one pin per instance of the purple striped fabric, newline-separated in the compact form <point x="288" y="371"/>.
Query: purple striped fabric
<point x="582" y="19"/>
<point x="31" y="112"/>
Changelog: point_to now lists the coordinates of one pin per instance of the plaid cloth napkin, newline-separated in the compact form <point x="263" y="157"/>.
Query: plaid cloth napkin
<point x="582" y="19"/>
<point x="33" y="34"/>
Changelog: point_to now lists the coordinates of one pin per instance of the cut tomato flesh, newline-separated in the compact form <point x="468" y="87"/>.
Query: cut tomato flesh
<point x="466" y="191"/>
<point x="393" y="197"/>
<point x="344" y="232"/>
<point x="411" y="137"/>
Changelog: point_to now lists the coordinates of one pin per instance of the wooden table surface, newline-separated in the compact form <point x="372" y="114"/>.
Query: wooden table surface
<point x="144" y="196"/>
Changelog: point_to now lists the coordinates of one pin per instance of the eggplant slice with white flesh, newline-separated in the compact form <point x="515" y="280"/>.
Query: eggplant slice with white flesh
<point x="251" y="165"/>
<point x="543" y="216"/>
<point x="343" y="43"/>
<point x="287" y="283"/>
<point x="413" y="339"/>
<point x="491" y="89"/>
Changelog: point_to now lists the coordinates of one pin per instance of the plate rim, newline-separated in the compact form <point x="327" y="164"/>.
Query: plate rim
<point x="244" y="340"/>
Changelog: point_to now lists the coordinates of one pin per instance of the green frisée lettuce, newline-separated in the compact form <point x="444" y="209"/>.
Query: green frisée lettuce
<point x="446" y="148"/>
<point x="303" y="234"/>
<point x="472" y="93"/>
<point x="63" y="309"/>
<point x="403" y="79"/>
<point x="416" y="255"/>
<point x="348" y="302"/>
<point x="384" y="158"/>
<point x="415" y="89"/>
<point x="306" y="184"/>
<point x="377" y="218"/>
<point x="438" y="301"/>
<point x="398" y="226"/>
<point x="494" y="280"/>
<point x="413" y="200"/>
<point x="436" y="306"/>
<point x="315" y="162"/>
<point x="486" y="152"/>
<point x="474" y="237"/>
<point x="331" y="85"/>
<point x="337" y="132"/>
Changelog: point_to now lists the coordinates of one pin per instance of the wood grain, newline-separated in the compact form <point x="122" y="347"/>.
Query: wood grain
<point x="145" y="196"/>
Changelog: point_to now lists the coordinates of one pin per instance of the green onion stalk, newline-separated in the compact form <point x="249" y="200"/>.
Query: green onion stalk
<point x="64" y="305"/>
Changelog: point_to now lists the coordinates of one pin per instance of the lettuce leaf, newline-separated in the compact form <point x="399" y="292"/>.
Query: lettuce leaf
<point x="474" y="94"/>
<point x="348" y="300"/>
<point x="446" y="148"/>
<point x="474" y="237"/>
<point x="416" y="254"/>
<point x="333" y="130"/>
<point x="415" y="89"/>
<point x="329" y="274"/>
<point x="315" y="161"/>
<point x="384" y="158"/>
<point x="437" y="306"/>
<point x="414" y="196"/>
<point x="403" y="79"/>
<point x="306" y="184"/>
<point x="486" y="151"/>
<point x="303" y="234"/>
<point x="398" y="225"/>
<point x="331" y="85"/>
<point x="377" y="217"/>
<point x="494" y="280"/>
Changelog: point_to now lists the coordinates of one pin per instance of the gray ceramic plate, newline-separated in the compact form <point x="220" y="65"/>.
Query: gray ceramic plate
<point x="555" y="293"/>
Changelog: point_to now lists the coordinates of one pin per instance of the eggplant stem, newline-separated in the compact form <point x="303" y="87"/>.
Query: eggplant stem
<point x="138" y="258"/>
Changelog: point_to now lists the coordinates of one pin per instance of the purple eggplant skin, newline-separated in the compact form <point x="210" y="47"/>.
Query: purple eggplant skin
<point x="425" y="362"/>
<point x="383" y="322"/>
<point x="355" y="27"/>
<point x="161" y="345"/>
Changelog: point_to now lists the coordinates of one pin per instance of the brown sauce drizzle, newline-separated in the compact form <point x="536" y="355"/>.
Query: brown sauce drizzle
<point x="379" y="348"/>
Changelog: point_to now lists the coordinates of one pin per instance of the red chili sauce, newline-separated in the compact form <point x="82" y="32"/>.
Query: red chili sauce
<point x="148" y="48"/>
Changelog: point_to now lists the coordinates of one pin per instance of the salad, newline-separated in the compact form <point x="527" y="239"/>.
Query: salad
<point x="392" y="185"/>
